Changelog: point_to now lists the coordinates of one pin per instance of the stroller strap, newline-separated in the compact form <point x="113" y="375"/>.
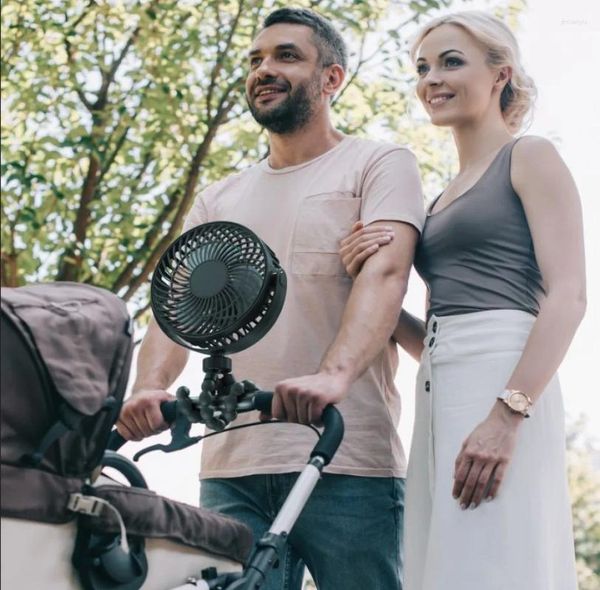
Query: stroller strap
<point x="47" y="494"/>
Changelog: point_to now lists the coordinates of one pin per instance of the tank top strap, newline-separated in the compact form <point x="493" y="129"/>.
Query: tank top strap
<point x="498" y="172"/>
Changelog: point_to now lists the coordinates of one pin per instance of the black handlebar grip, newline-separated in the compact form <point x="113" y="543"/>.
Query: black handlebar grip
<point x="262" y="401"/>
<point x="115" y="441"/>
<point x="167" y="409"/>
<point x="332" y="434"/>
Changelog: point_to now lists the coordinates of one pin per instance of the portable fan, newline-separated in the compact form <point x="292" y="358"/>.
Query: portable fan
<point x="218" y="288"/>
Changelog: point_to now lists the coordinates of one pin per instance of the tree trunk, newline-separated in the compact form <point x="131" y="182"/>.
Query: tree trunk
<point x="72" y="259"/>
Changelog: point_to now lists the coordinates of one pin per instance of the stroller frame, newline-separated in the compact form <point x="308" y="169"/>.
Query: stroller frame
<point x="267" y="550"/>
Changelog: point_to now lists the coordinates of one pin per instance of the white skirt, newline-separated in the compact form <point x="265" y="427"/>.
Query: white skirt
<point x="523" y="539"/>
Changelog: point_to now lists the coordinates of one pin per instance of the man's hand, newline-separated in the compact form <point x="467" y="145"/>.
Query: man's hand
<point x="141" y="416"/>
<point x="303" y="399"/>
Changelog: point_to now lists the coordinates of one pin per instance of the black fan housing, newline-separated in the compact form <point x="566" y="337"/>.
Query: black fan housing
<point x="217" y="288"/>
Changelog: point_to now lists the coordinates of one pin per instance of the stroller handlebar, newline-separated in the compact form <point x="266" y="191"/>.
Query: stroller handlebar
<point x="169" y="412"/>
<point x="333" y="423"/>
<point x="326" y="447"/>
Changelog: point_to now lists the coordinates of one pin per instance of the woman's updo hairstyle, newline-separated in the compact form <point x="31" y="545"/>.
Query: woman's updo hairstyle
<point x="518" y="96"/>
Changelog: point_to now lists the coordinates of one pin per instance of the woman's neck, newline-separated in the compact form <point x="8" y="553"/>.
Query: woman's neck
<point x="477" y="142"/>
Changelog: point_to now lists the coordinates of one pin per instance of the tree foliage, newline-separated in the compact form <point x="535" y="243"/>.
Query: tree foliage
<point x="117" y="112"/>
<point x="584" y="486"/>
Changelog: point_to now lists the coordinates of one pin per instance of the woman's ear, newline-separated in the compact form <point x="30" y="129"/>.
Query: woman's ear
<point x="504" y="76"/>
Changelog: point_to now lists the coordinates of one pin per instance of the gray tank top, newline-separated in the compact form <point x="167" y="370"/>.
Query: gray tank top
<point x="477" y="254"/>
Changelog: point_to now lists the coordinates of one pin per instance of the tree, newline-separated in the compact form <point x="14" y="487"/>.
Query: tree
<point x="584" y="486"/>
<point x="117" y="112"/>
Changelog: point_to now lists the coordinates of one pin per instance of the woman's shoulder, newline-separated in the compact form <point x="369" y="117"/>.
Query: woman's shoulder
<point x="532" y="157"/>
<point x="532" y="147"/>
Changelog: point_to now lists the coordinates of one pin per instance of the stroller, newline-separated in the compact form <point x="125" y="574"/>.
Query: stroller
<point x="66" y="352"/>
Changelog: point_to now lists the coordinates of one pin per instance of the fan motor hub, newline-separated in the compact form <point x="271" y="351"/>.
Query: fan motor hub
<point x="209" y="278"/>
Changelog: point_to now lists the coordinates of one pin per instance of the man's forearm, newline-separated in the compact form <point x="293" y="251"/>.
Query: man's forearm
<point x="370" y="317"/>
<point x="160" y="361"/>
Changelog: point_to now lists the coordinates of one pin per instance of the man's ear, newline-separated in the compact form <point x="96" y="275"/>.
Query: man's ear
<point x="334" y="76"/>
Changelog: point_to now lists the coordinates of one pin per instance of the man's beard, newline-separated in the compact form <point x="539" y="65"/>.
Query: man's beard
<point x="291" y="114"/>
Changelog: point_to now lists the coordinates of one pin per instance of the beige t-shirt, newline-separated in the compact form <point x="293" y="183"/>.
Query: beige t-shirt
<point x="302" y="212"/>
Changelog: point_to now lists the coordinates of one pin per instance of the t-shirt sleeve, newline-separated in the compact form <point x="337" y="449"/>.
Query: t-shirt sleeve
<point x="392" y="190"/>
<point x="198" y="214"/>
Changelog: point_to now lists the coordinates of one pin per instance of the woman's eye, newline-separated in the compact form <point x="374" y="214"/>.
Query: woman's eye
<point x="422" y="69"/>
<point x="453" y="62"/>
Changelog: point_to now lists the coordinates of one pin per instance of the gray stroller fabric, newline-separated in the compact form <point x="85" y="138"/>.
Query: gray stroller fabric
<point x="65" y="357"/>
<point x="66" y="353"/>
<point x="146" y="514"/>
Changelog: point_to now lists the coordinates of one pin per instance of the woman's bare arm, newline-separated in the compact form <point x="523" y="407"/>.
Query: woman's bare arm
<point x="551" y="203"/>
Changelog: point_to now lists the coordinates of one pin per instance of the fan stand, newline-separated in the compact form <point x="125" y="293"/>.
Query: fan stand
<point x="218" y="403"/>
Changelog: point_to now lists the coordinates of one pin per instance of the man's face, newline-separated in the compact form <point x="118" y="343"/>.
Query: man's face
<point x="284" y="84"/>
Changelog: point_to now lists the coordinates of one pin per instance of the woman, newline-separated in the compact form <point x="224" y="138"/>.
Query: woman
<point x="502" y="256"/>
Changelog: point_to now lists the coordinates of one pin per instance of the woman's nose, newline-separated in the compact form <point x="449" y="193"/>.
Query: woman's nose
<point x="432" y="77"/>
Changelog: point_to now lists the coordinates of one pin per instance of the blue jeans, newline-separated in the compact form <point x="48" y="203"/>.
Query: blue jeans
<point x="349" y="534"/>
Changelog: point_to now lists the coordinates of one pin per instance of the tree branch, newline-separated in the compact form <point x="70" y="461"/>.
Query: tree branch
<point x="149" y="242"/>
<point x="72" y="258"/>
<point x="142" y="310"/>
<point x="219" y="61"/>
<point x="184" y="205"/>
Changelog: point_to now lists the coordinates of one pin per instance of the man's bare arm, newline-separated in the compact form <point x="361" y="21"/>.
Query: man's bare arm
<point x="160" y="362"/>
<point x="369" y="318"/>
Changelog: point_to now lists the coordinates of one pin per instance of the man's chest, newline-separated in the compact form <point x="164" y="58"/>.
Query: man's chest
<point x="302" y="221"/>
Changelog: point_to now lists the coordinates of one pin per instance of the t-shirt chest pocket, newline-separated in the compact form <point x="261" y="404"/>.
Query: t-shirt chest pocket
<point x="323" y="220"/>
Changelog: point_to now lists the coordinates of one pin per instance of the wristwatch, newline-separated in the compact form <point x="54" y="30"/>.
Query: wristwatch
<point x="517" y="401"/>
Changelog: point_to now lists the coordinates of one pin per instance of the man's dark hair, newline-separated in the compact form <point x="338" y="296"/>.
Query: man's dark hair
<point x="329" y="43"/>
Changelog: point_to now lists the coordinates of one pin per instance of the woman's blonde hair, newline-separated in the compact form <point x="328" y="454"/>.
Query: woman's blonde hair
<point x="518" y="96"/>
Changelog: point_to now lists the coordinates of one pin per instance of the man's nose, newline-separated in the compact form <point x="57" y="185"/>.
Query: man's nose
<point x="265" y="69"/>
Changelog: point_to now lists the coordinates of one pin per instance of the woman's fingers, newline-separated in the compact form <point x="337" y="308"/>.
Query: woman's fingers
<point x="350" y="251"/>
<point x="483" y="484"/>
<point x="355" y="263"/>
<point x="469" y="485"/>
<point x="361" y="233"/>
<point x="355" y="252"/>
<point x="496" y="480"/>
<point x="463" y="467"/>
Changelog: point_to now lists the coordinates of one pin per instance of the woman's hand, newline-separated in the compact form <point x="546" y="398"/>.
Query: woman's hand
<point x="362" y="243"/>
<point x="484" y="457"/>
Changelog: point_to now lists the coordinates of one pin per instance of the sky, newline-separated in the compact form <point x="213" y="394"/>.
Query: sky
<point x="560" y="43"/>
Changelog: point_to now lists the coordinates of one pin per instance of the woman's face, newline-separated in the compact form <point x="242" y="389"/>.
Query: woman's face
<point x="456" y="85"/>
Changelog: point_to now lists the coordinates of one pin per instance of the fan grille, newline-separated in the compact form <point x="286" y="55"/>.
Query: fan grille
<point x="215" y="285"/>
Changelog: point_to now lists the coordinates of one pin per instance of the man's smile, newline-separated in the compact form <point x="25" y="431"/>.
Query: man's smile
<point x="268" y="93"/>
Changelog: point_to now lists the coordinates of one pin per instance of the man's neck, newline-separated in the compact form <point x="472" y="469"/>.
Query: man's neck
<point x="314" y="139"/>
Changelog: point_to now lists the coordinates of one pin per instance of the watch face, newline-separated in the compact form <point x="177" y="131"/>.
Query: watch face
<point x="518" y="401"/>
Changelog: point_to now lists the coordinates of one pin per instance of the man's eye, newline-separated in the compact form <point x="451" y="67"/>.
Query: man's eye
<point x="288" y="55"/>
<point x="255" y="62"/>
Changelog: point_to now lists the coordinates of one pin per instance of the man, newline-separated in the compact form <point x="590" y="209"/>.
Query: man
<point x="331" y="344"/>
